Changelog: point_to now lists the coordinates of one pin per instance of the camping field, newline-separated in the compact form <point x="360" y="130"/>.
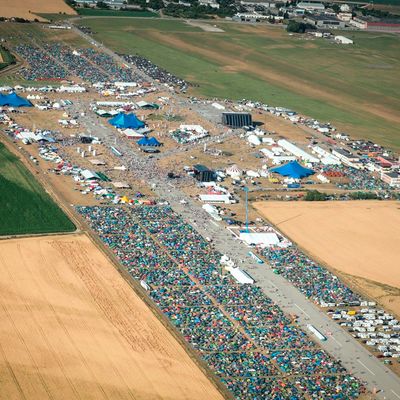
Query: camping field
<point x="72" y="328"/>
<point x="25" y="207"/>
<point x="355" y="87"/>
<point x="359" y="239"/>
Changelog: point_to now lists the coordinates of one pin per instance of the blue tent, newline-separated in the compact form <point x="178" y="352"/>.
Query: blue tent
<point x="293" y="169"/>
<point x="148" y="142"/>
<point x="13" y="100"/>
<point x="126" y="121"/>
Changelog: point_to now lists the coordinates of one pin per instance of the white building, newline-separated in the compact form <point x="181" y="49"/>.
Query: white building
<point x="297" y="151"/>
<point x="391" y="178"/>
<point x="311" y="6"/>
<point x="343" y="40"/>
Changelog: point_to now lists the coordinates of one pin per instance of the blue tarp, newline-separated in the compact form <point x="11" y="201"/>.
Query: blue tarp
<point x="148" y="142"/>
<point x="126" y="121"/>
<point x="13" y="100"/>
<point x="293" y="169"/>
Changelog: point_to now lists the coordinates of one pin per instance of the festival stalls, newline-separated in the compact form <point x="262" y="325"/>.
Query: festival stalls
<point x="13" y="100"/>
<point x="126" y="121"/>
<point x="293" y="170"/>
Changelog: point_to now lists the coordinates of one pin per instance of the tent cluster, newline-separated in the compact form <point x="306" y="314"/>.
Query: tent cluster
<point x="131" y="121"/>
<point x="13" y="100"/>
<point x="293" y="170"/>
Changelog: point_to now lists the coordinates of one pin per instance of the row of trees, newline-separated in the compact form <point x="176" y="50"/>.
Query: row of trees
<point x="299" y="27"/>
<point x="315" y="195"/>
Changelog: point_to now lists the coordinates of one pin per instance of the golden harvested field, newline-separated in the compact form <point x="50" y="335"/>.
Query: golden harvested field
<point x="72" y="328"/>
<point x="357" y="238"/>
<point x="27" y="8"/>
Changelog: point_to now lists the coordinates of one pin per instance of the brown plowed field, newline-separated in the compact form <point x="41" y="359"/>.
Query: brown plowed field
<point x="357" y="238"/>
<point x="72" y="328"/>
<point x="27" y="8"/>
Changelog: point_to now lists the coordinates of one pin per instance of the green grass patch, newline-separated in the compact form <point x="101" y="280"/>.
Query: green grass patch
<point x="93" y="12"/>
<point x="6" y="57"/>
<point x="25" y="207"/>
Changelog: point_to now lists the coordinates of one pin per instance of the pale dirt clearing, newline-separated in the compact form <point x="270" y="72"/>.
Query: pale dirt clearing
<point x="72" y="328"/>
<point x="27" y="8"/>
<point x="360" y="238"/>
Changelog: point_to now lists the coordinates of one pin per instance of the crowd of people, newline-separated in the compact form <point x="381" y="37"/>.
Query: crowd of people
<point x="239" y="332"/>
<point x="313" y="280"/>
<point x="155" y="72"/>
<point x="58" y="61"/>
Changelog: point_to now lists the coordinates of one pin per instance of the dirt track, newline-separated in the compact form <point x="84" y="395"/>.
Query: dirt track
<point x="73" y="328"/>
<point x="21" y="8"/>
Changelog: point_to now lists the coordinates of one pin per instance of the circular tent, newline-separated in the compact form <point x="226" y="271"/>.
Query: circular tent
<point x="234" y="171"/>
<point x="293" y="170"/>
<point x="126" y="121"/>
<point x="13" y="100"/>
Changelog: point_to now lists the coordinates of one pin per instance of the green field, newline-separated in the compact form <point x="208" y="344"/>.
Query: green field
<point x="355" y="87"/>
<point x="25" y="207"/>
<point x="114" y="13"/>
<point x="6" y="57"/>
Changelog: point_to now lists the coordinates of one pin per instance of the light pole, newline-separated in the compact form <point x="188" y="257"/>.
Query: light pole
<point x="246" y="190"/>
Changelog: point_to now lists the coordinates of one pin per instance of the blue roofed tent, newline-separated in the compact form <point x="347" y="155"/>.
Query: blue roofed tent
<point x="126" y="121"/>
<point x="13" y="100"/>
<point x="148" y="142"/>
<point x="293" y="169"/>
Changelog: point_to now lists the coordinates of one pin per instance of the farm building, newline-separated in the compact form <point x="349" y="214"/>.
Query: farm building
<point x="236" y="119"/>
<point x="311" y="6"/>
<point x="325" y="21"/>
<point x="388" y="25"/>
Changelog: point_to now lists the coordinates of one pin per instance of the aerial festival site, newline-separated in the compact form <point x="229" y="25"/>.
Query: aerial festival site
<point x="199" y="200"/>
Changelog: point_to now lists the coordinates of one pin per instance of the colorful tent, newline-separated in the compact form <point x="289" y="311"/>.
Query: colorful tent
<point x="293" y="169"/>
<point x="13" y="100"/>
<point x="126" y="121"/>
<point x="148" y="142"/>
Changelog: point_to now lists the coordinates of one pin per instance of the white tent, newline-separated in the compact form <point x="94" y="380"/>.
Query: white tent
<point x="132" y="134"/>
<point x="260" y="238"/>
<point x="252" y="174"/>
<point x="234" y="171"/>
<point x="241" y="276"/>
<point x="253" y="139"/>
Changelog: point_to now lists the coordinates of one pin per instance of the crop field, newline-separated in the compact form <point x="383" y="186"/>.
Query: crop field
<point x="25" y="206"/>
<point x="357" y="238"/>
<point x="72" y="328"/>
<point x="28" y="9"/>
<point x="355" y="87"/>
